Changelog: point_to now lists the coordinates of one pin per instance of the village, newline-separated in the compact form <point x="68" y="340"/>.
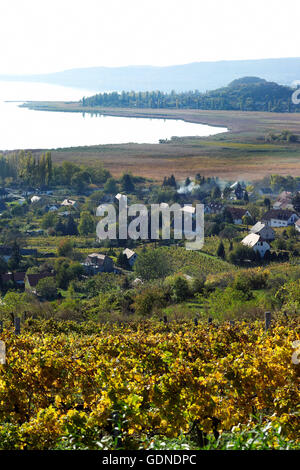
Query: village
<point x="42" y="228"/>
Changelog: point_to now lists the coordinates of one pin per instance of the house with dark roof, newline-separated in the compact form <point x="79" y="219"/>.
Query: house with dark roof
<point x="98" y="263"/>
<point x="31" y="280"/>
<point x="280" y="217"/>
<point x="213" y="208"/>
<point x="237" y="214"/>
<point x="17" y="278"/>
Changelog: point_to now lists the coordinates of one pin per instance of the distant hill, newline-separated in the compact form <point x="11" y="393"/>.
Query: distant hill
<point x="243" y="94"/>
<point x="202" y="76"/>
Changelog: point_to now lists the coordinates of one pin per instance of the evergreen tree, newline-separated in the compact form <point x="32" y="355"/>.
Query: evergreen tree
<point x="16" y="258"/>
<point x="122" y="261"/>
<point x="216" y="192"/>
<point x="59" y="227"/>
<point x="127" y="183"/>
<point x="71" y="226"/>
<point x="221" y="250"/>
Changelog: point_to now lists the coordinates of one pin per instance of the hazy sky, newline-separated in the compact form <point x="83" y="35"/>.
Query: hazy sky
<point x="52" y="35"/>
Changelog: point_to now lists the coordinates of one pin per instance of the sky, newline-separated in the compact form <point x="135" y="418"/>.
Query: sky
<point x="41" y="36"/>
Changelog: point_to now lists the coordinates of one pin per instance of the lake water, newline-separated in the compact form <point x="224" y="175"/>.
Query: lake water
<point x="21" y="128"/>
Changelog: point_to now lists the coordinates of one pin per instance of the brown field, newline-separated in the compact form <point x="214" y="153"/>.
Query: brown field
<point x="240" y="153"/>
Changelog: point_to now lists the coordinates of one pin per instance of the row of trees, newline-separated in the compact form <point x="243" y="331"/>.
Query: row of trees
<point x="39" y="171"/>
<point x="247" y="94"/>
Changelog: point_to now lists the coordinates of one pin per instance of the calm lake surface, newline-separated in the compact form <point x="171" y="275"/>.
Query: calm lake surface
<point x="21" y="128"/>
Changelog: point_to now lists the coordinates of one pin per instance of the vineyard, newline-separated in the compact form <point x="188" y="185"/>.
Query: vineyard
<point x="126" y="386"/>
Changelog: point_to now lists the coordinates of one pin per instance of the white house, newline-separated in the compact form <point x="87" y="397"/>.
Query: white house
<point x="69" y="202"/>
<point x="255" y="242"/>
<point x="265" y="231"/>
<point x="280" y="218"/>
<point x="130" y="255"/>
<point x="35" y="199"/>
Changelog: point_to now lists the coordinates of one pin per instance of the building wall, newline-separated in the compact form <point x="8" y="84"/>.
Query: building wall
<point x="261" y="247"/>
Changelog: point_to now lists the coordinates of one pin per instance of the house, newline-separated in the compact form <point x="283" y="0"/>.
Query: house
<point x="69" y="202"/>
<point x="279" y="217"/>
<point x="17" y="278"/>
<point x="32" y="280"/>
<point x="265" y="231"/>
<point x="254" y="241"/>
<point x="237" y="192"/>
<point x="35" y="232"/>
<point x="284" y="201"/>
<point x="98" y="263"/>
<point x="297" y="225"/>
<point x="35" y="199"/>
<point x="213" y="208"/>
<point x="130" y="255"/>
<point x="237" y="214"/>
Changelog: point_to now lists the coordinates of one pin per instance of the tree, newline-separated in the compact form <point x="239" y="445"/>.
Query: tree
<point x="216" y="192"/>
<point x="127" y="183"/>
<point x="49" y="220"/>
<point x="122" y="261"/>
<point x="65" y="248"/>
<point x="16" y="258"/>
<point x="242" y="253"/>
<point x="181" y="289"/>
<point x="86" y="223"/>
<point x="228" y="232"/>
<point x="247" y="220"/>
<point x="291" y="231"/>
<point x="46" y="288"/>
<point x="3" y="266"/>
<point x="71" y="226"/>
<point x="221" y="250"/>
<point x="226" y="192"/>
<point x="267" y="203"/>
<point x="110" y="186"/>
<point x="152" y="264"/>
<point x="80" y="180"/>
<point x="296" y="202"/>
<point x="59" y="227"/>
<point x="227" y="216"/>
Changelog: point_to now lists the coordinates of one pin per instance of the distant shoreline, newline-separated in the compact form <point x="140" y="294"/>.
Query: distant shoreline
<point x="236" y="122"/>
